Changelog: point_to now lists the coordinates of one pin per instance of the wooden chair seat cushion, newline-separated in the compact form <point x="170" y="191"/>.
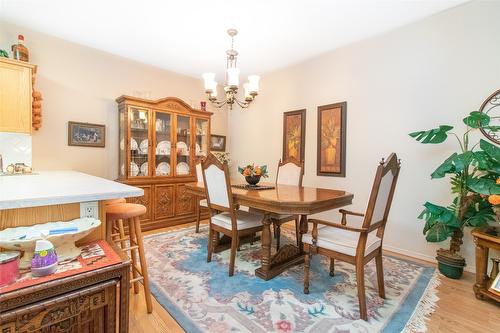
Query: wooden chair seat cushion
<point x="244" y="220"/>
<point x="124" y="211"/>
<point x="342" y="241"/>
<point x="204" y="203"/>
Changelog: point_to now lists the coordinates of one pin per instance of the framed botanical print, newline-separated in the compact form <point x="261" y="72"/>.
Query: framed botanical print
<point x="294" y="135"/>
<point x="217" y="142"/>
<point x="86" y="135"/>
<point x="331" y="152"/>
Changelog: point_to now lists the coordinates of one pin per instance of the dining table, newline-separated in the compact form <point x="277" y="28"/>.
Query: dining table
<point x="281" y="199"/>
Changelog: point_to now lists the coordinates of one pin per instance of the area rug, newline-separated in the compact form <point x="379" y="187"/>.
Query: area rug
<point x="203" y="298"/>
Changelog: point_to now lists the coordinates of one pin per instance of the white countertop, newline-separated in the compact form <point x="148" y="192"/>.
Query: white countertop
<point x="59" y="187"/>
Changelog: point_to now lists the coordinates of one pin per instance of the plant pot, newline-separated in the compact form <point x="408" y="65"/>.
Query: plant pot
<point x="252" y="180"/>
<point x="449" y="264"/>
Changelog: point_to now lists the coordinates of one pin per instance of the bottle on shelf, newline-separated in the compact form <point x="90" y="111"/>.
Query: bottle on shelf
<point x="19" y="51"/>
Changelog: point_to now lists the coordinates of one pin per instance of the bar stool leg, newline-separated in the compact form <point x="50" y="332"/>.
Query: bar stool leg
<point x="122" y="233"/>
<point x="144" y="266"/>
<point x="133" y="256"/>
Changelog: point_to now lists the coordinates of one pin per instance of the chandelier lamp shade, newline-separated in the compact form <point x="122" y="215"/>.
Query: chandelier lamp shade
<point x="232" y="81"/>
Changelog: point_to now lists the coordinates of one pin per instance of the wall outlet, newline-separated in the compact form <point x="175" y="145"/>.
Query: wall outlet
<point x="89" y="209"/>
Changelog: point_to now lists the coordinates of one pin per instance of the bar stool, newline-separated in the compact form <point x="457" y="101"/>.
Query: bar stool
<point x="117" y="230"/>
<point x="129" y="213"/>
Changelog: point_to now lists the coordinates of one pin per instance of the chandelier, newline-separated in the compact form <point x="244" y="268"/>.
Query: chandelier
<point x="231" y="81"/>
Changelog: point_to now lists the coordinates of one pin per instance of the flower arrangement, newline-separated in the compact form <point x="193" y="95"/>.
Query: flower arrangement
<point x="253" y="173"/>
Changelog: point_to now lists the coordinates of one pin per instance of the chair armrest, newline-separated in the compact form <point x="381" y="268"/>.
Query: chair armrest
<point x="336" y="225"/>
<point x="347" y="212"/>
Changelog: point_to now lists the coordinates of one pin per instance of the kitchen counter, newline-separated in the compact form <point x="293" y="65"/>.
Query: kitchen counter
<point x="46" y="188"/>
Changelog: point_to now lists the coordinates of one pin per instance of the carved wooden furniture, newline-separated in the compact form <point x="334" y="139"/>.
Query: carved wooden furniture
<point x="228" y="220"/>
<point x="85" y="302"/>
<point x="202" y="202"/>
<point x="283" y="199"/>
<point x="16" y="104"/>
<point x="485" y="239"/>
<point x="160" y="141"/>
<point x="357" y="245"/>
<point x="129" y="213"/>
<point x="290" y="172"/>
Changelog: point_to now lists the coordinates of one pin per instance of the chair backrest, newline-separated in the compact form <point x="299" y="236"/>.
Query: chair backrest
<point x="290" y="172"/>
<point x="383" y="188"/>
<point x="217" y="184"/>
<point x="199" y="171"/>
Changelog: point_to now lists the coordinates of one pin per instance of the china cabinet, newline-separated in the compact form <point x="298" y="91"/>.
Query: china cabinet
<point x="159" y="144"/>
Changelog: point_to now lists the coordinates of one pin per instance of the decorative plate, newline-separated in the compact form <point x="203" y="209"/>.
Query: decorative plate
<point x="163" y="169"/>
<point x="144" y="146"/>
<point x="134" y="169"/>
<point x="144" y="169"/>
<point x="182" y="168"/>
<point x="133" y="144"/>
<point x="163" y="148"/>
<point x="182" y="148"/>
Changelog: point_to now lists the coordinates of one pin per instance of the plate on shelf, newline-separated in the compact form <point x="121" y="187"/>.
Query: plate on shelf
<point x="163" y="148"/>
<point x="182" y="148"/>
<point x="144" y="146"/>
<point x="159" y="125"/>
<point x="134" y="169"/>
<point x="182" y="168"/>
<point x="198" y="149"/>
<point x="133" y="144"/>
<point x="163" y="169"/>
<point x="144" y="169"/>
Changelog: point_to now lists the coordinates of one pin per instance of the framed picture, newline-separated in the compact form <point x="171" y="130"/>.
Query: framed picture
<point x="331" y="140"/>
<point x="294" y="135"/>
<point x="217" y="142"/>
<point x="495" y="286"/>
<point x="86" y="135"/>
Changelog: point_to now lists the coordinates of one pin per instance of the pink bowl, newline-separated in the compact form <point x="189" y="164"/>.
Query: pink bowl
<point x="9" y="267"/>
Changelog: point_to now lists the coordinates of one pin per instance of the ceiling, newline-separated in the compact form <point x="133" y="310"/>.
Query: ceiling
<point x="189" y="36"/>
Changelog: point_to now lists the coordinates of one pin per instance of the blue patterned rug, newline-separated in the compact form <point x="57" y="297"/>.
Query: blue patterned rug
<point x="203" y="298"/>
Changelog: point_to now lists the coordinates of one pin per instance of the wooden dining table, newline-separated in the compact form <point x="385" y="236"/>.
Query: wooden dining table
<point x="282" y="199"/>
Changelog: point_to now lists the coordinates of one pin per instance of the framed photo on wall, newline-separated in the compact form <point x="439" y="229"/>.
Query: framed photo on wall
<point x="217" y="142"/>
<point x="331" y="151"/>
<point x="86" y="135"/>
<point x="294" y="135"/>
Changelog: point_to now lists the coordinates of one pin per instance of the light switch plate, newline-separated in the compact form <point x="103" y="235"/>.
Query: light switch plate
<point x="89" y="209"/>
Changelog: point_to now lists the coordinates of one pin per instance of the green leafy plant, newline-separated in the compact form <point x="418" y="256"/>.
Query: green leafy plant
<point x="473" y="172"/>
<point x="252" y="170"/>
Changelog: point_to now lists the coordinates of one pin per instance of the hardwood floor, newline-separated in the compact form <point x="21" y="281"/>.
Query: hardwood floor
<point x="458" y="310"/>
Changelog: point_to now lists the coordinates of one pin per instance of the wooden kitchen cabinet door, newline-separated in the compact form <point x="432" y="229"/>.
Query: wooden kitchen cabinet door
<point x="15" y="96"/>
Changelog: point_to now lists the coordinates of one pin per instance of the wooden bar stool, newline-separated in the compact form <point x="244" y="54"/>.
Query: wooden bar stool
<point x="129" y="213"/>
<point x="116" y="231"/>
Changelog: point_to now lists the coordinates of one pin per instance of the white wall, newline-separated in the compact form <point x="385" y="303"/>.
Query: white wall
<point x="81" y="84"/>
<point x="431" y="72"/>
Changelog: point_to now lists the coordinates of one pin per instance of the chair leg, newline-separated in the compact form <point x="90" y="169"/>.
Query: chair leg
<point x="277" y="228"/>
<point x="360" y="279"/>
<point x="297" y="230"/>
<point x="234" y="245"/>
<point x="198" y="217"/>
<point x="144" y="265"/>
<point x="332" y="266"/>
<point x="307" y="263"/>
<point x="133" y="256"/>
<point x="122" y="233"/>
<point x="380" y="275"/>
<point x="252" y="238"/>
<point x="211" y="243"/>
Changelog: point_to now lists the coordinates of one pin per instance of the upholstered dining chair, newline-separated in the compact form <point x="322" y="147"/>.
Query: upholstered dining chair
<point x="290" y="172"/>
<point x="357" y="245"/>
<point x="201" y="202"/>
<point x="225" y="218"/>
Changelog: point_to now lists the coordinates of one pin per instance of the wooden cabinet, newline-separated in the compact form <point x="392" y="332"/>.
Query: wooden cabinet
<point x="16" y="82"/>
<point x="159" y="144"/>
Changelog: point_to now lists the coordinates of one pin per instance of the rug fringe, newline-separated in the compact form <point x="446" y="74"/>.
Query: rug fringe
<point x="425" y="307"/>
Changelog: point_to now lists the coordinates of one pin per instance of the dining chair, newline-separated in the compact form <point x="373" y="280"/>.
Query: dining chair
<point x="225" y="217"/>
<point x="290" y="172"/>
<point x="357" y="245"/>
<point x="200" y="202"/>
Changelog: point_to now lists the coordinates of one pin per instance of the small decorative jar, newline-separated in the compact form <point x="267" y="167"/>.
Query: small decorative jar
<point x="9" y="266"/>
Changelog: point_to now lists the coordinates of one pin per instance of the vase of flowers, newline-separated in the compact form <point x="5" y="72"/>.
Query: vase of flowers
<point x="253" y="173"/>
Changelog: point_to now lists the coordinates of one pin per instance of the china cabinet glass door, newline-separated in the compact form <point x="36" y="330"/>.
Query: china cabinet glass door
<point x="201" y="138"/>
<point x="183" y="143"/>
<point x="162" y="146"/>
<point x="139" y="144"/>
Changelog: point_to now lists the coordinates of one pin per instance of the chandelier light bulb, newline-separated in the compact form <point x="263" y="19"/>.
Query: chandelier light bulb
<point x="209" y="79"/>
<point x="233" y="76"/>
<point x="253" y="83"/>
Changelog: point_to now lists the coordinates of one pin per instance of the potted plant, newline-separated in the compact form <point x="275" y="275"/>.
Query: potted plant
<point x="474" y="171"/>
<point x="253" y="173"/>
